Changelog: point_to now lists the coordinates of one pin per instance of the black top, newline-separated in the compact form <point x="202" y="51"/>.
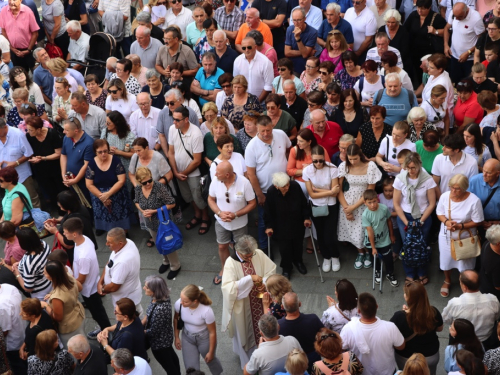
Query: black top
<point x="156" y="33"/>
<point x="295" y="328"/>
<point x="157" y="101"/>
<point x="335" y="159"/>
<point x="285" y="214"/>
<point x="94" y="364"/>
<point x="43" y="324"/>
<point x="159" y="327"/>
<point x="7" y="277"/>
<point x="493" y="71"/>
<point x="268" y="11"/>
<point x="421" y="40"/>
<point x="488" y="85"/>
<point x="482" y="41"/>
<point x="130" y="337"/>
<point x="297" y="109"/>
<point x="51" y="142"/>
<point x="427" y="344"/>
<point x="489" y="276"/>
<point x="352" y="127"/>
<point x="84" y="216"/>
<point x="370" y="145"/>
<point x="226" y="61"/>
<point x="400" y="42"/>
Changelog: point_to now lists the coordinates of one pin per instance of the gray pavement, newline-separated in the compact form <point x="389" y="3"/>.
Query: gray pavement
<point x="200" y="263"/>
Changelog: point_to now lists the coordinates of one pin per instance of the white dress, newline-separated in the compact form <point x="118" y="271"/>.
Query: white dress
<point x="352" y="231"/>
<point x="461" y="212"/>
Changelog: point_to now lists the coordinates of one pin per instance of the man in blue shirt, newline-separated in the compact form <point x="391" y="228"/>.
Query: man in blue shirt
<point x="42" y="76"/>
<point x="485" y="184"/>
<point x="300" y="40"/>
<point x="206" y="81"/>
<point x="333" y="21"/>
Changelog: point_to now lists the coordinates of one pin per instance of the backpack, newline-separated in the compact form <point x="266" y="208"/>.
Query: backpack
<point x="343" y="370"/>
<point x="414" y="251"/>
<point x="411" y="96"/>
<point x="169" y="237"/>
<point x="362" y="82"/>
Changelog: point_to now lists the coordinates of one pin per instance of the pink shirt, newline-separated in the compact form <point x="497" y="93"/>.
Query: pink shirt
<point x="13" y="250"/>
<point x="20" y="28"/>
<point x="271" y="54"/>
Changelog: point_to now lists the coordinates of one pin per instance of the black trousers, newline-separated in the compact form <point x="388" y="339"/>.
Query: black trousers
<point x="94" y="304"/>
<point x="326" y="230"/>
<point x="291" y="251"/>
<point x="63" y="43"/>
<point x="27" y="61"/>
<point x="17" y="365"/>
<point x="168" y="359"/>
<point x="385" y="255"/>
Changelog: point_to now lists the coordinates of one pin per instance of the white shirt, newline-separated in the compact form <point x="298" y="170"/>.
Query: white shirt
<point x="219" y="99"/>
<point x="444" y="80"/>
<point x="236" y="160"/>
<point x="240" y="193"/>
<point x="482" y="310"/>
<point x="125" y="107"/>
<point x="369" y="89"/>
<point x="314" y="17"/>
<point x="193" y="142"/>
<point x="491" y="119"/>
<point x="465" y="33"/>
<point x="390" y="205"/>
<point x="145" y="126"/>
<point x="4" y="44"/>
<point x="195" y="107"/>
<point x="196" y="320"/>
<point x="184" y="18"/>
<point x="258" y="156"/>
<point x="141" y="367"/>
<point x="78" y="49"/>
<point x="393" y="156"/>
<point x="372" y="54"/>
<point x="85" y="263"/>
<point x="322" y="179"/>
<point x="10" y="320"/>
<point x="16" y="145"/>
<point x="433" y="114"/>
<point x="259" y="72"/>
<point x="445" y="169"/>
<point x="363" y="25"/>
<point x="125" y="272"/>
<point x="448" y="5"/>
<point x="421" y="193"/>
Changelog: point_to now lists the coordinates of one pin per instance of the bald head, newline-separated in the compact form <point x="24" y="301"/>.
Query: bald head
<point x="460" y="11"/>
<point x="493" y="164"/>
<point x="317" y="115"/>
<point x="291" y="302"/>
<point x="491" y="171"/>
<point x="78" y="344"/>
<point x="469" y="279"/>
<point x="224" y="171"/>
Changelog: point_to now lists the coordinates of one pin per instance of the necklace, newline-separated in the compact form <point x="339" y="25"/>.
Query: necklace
<point x="191" y="311"/>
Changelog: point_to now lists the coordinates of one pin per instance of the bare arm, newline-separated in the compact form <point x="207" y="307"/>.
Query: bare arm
<point x="365" y="45"/>
<point x="252" y="177"/>
<point x="277" y="22"/>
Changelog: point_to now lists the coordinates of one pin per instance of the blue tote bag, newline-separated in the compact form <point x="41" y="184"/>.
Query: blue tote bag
<point x="169" y="237"/>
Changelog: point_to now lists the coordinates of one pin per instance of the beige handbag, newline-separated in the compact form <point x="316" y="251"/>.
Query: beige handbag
<point x="465" y="248"/>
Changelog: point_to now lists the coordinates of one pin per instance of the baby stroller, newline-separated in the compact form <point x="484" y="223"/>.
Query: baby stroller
<point x="101" y="47"/>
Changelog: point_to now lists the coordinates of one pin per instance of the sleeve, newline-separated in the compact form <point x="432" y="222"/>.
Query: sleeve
<point x="126" y="340"/>
<point x="177" y="305"/>
<point x="131" y="167"/>
<point x="211" y="189"/>
<point x="317" y="20"/>
<point x="442" y="206"/>
<point x="83" y="266"/>
<point x="26" y="147"/>
<point x="474" y="111"/>
<point x="89" y="173"/>
<point x="250" y="157"/>
<point x="312" y="38"/>
<point x="288" y="38"/>
<point x="252" y="366"/>
<point x="299" y="86"/>
<point x="239" y="36"/>
<point x="119" y="273"/>
<point x="125" y="8"/>
<point x="371" y="27"/>
<point x="439" y="318"/>
<point x="291" y="167"/>
<point x="348" y="35"/>
<point x="58" y="8"/>
<point x="249" y="193"/>
<point x="171" y="132"/>
<point x="108" y="104"/>
<point x="341" y="169"/>
<point x="163" y="166"/>
<point x="119" y="168"/>
<point x="38" y="94"/>
<point x="89" y="153"/>
<point x="268" y="75"/>
<point x="374" y="174"/>
<point x="479" y="26"/>
<point x="209" y="316"/>
<point x="477" y="214"/>
<point x="398" y="338"/>
<point x="398" y="184"/>
<point x="198" y="144"/>
<point x="282" y="7"/>
<point x="435" y="166"/>
<point x="365" y="222"/>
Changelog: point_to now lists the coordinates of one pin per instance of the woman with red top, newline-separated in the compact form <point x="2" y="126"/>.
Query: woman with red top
<point x="467" y="110"/>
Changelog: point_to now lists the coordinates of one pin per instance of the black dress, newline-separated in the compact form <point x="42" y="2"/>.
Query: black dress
<point x="43" y="324"/>
<point x="352" y="127"/>
<point x="130" y="337"/>
<point x="370" y="145"/>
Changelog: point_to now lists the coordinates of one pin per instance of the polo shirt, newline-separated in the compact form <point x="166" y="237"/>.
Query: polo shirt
<point x="397" y="108"/>
<point x="297" y="109"/>
<point x="229" y="21"/>
<point x="165" y="120"/>
<point x="482" y="190"/>
<point x="445" y="169"/>
<point x="78" y="49"/>
<point x="465" y="33"/>
<point x="226" y="61"/>
<point x="145" y="127"/>
<point x="263" y="28"/>
<point x="363" y="24"/>
<point x="85" y="263"/>
<point x="372" y="54"/>
<point x="193" y="34"/>
<point x="184" y="56"/>
<point x="314" y="17"/>
<point x="191" y="141"/>
<point x="16" y="146"/>
<point x="184" y="18"/>
<point x="94" y="122"/>
<point x="309" y="37"/>
<point x="448" y="4"/>
<point x="122" y="6"/>
<point x="19" y="28"/>
<point x="295" y="328"/>
<point x="208" y="83"/>
<point x="148" y="54"/>
<point x="331" y="137"/>
<point x="487" y="84"/>
<point x="95" y="363"/>
<point x="77" y="153"/>
<point x="259" y="72"/>
<point x="343" y="26"/>
<point x="270" y="357"/>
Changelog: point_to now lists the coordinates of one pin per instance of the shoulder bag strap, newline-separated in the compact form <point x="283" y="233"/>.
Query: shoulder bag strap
<point x="346" y="361"/>
<point x="490" y="195"/>
<point x="324" y="368"/>
<point x="185" y="149"/>
<point x="25" y="201"/>
<point x="341" y="313"/>
<point x="361" y="84"/>
<point x="387" y="151"/>
<point x="410" y="337"/>
<point x="433" y="18"/>
<point x="449" y="207"/>
<point x="148" y="324"/>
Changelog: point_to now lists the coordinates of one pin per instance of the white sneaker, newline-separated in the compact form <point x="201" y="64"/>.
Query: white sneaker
<point x="335" y="264"/>
<point x="326" y="265"/>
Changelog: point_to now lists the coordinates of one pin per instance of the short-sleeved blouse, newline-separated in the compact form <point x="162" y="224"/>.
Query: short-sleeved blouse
<point x="63" y="366"/>
<point x="10" y="196"/>
<point x="469" y="108"/>
<point x="125" y="107"/>
<point x="335" y="320"/>
<point x="337" y="61"/>
<point x="278" y="85"/>
<point x="244" y="139"/>
<point x="100" y="101"/>
<point x="103" y="179"/>
<point x="158" y="197"/>
<point x="158" y="165"/>
<point x="346" y="81"/>
<point x="13" y="250"/>
<point x="370" y="145"/>
<point x="309" y="86"/>
<point x="352" y="127"/>
<point x="202" y="47"/>
<point x="235" y="113"/>
<point x="413" y="133"/>
<point x="132" y="85"/>
<point x="355" y="366"/>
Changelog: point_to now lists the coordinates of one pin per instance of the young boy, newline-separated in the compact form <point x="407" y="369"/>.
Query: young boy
<point x="490" y="53"/>
<point x="402" y="156"/>
<point x="376" y="219"/>
<point x="386" y="199"/>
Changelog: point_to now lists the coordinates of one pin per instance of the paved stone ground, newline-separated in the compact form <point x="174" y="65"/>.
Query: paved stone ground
<point x="200" y="263"/>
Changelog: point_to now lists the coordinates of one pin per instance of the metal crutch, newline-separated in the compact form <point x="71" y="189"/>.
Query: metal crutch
<point x="269" y="245"/>
<point x="315" y="254"/>
<point x="381" y="272"/>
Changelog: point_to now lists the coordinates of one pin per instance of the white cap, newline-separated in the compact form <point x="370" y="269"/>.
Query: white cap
<point x="426" y="57"/>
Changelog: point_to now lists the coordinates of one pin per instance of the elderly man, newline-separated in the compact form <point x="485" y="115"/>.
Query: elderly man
<point x="91" y="117"/>
<point x="180" y="16"/>
<point x="231" y="213"/>
<point x="146" y="47"/>
<point x="341" y="155"/>
<point x="124" y="362"/>
<point x="382" y="45"/>
<point x="42" y="76"/>
<point x="253" y="22"/>
<point x="482" y="310"/>
<point x="269" y="141"/>
<point x="292" y="103"/>
<point x="467" y="25"/>
<point x="206" y="82"/>
<point x="397" y="100"/>
<point x="224" y="54"/>
<point x="242" y="282"/>
<point x="273" y="14"/>
<point x="113" y="8"/>
<point x="195" y="30"/>
<point x="230" y="18"/>
<point x="364" y="27"/>
<point x="174" y="51"/>
<point x="327" y="133"/>
<point x="260" y="79"/>
<point x="333" y="21"/>
<point x="300" y="40"/>
<point x="110" y="70"/>
<point x="490" y="262"/>
<point x="89" y="359"/>
<point x="143" y="121"/>
<point x="19" y="26"/>
<point x="485" y="186"/>
<point x="144" y="19"/>
<point x="271" y="355"/>
<point x="12" y="326"/>
<point x="78" y="43"/>
<point x="313" y="14"/>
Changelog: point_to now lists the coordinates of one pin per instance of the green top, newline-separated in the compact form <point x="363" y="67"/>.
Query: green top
<point x="210" y="148"/>
<point x="427" y="156"/>
<point x="377" y="220"/>
<point x="285" y="123"/>
<point x="10" y="196"/>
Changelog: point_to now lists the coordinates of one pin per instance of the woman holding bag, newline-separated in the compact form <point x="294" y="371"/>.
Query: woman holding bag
<point x="149" y="196"/>
<point x="460" y="213"/>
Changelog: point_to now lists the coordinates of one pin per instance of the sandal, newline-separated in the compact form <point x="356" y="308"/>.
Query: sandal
<point x="445" y="292"/>
<point x="150" y="243"/>
<point x="204" y="230"/>
<point x="194" y="222"/>
<point x="424" y="280"/>
<point x="217" y="279"/>
<point x="309" y="250"/>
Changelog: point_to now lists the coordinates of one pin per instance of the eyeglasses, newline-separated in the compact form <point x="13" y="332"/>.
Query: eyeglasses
<point x="118" y="70"/>
<point x="170" y="103"/>
<point x="102" y="152"/>
<point x="144" y="183"/>
<point x="492" y="28"/>
<point x="227" y="197"/>
<point x="312" y="104"/>
<point x="320" y="161"/>
<point x="357" y="2"/>
<point x="299" y="20"/>
<point x="394" y="150"/>
<point x="282" y="69"/>
<point x="323" y="73"/>
<point x="245" y="48"/>
<point x="179" y="119"/>
<point x="247" y="256"/>
<point x="174" y="1"/>
<point x="143" y="104"/>
<point x="117" y="313"/>
<point x="113" y="91"/>
<point x="310" y="67"/>
<point x="225" y="86"/>
<point x="324" y="337"/>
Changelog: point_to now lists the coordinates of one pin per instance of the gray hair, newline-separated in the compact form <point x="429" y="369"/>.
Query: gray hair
<point x="218" y="32"/>
<point x="255" y="10"/>
<point x="317" y="112"/>
<point x="416" y="112"/>
<point x="493" y="234"/>
<point x="118" y="234"/>
<point x="301" y="10"/>
<point x="143" y="17"/>
<point x="35" y="52"/>
<point x="268" y="325"/>
<point x="246" y="245"/>
<point x="74" y="25"/>
<point x="347" y="137"/>
<point x="152" y="72"/>
<point x="290" y="82"/>
<point x="123" y="359"/>
<point x="176" y="92"/>
<point x="111" y="61"/>
<point x="333" y="6"/>
<point x="392" y="77"/>
<point x="257" y="36"/>
<point x="281" y="179"/>
<point x="293" y="302"/>
<point x="145" y="30"/>
<point x="209" y="55"/>
<point x="158" y="286"/>
<point x="79" y="344"/>
<point x="392" y="13"/>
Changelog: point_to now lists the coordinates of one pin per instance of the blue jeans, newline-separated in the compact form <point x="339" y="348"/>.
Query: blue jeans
<point x="420" y="271"/>
<point x="459" y="71"/>
<point x="262" y="228"/>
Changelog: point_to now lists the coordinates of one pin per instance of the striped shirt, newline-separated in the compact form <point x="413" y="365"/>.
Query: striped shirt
<point x="31" y="269"/>
<point x="231" y="21"/>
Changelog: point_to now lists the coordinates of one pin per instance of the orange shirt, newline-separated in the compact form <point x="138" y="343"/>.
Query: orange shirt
<point x="263" y="28"/>
<point x="294" y="164"/>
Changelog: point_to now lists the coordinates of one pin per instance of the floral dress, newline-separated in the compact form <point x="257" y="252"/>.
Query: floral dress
<point x="346" y="81"/>
<point x="235" y="113"/>
<point x="311" y="86"/>
<point x="63" y="364"/>
<point x="202" y="47"/>
<point x="100" y="101"/>
<point x="352" y="231"/>
<point x="119" y="143"/>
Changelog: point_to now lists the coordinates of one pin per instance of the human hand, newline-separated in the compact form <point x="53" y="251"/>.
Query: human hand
<point x="177" y="343"/>
<point x="35" y="159"/>
<point x="307" y="223"/>
<point x="104" y="197"/>
<point x="181" y="176"/>
<point x="296" y="32"/>
<point x="161" y="20"/>
<point x="51" y="228"/>
<point x="331" y="301"/>
<point x="374" y="252"/>
<point x="209" y="357"/>
<point x="269" y="232"/>
<point x="463" y="57"/>
<point x="348" y="210"/>
<point x="12" y="164"/>
<point x="46" y="297"/>
<point x="100" y="290"/>
<point x="393" y="239"/>
<point x="261" y="198"/>
<point x="447" y="51"/>
<point x="69" y="182"/>
<point x="22" y="354"/>
<point x="256" y="279"/>
<point x="431" y="30"/>
<point x="405" y="308"/>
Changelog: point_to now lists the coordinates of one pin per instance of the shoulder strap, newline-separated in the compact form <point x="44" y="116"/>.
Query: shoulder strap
<point x="449" y="207"/>
<point x="361" y="84"/>
<point x="341" y="313"/>
<point x="411" y="97"/>
<point x="323" y="368"/>
<point x="410" y="337"/>
<point x="379" y="96"/>
<point x="433" y="18"/>
<point x="383" y="80"/>
<point x="185" y="149"/>
<point x="25" y="201"/>
<point x="345" y="361"/>
<point x="490" y="195"/>
<point x="387" y="151"/>
<point x="148" y="324"/>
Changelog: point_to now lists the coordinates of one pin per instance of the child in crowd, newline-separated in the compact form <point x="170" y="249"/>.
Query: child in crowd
<point x="402" y="156"/>
<point x="379" y="234"/>
<point x="481" y="81"/>
<point x="490" y="53"/>
<point x="386" y="199"/>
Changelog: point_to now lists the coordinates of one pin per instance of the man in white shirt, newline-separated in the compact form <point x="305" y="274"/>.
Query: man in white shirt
<point x="364" y="27"/>
<point x="467" y="25"/>
<point x="178" y="15"/>
<point x="382" y="45"/>
<point x="314" y="15"/>
<point x="12" y="326"/>
<point x="121" y="275"/>
<point x="451" y="162"/>
<point x="143" y="121"/>
<point x="78" y="43"/>
<point x="124" y="362"/>
<point x="256" y="68"/>
<point x="86" y="271"/>
<point x="372" y="339"/>
<point x="446" y="6"/>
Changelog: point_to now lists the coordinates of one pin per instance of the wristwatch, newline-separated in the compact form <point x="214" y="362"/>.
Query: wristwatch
<point x="469" y="51"/>
<point x="437" y="33"/>
<point x="235" y="215"/>
<point x="218" y="213"/>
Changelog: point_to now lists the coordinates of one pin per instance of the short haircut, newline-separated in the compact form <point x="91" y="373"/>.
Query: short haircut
<point x="493" y="236"/>
<point x="141" y="142"/>
<point x="264" y="120"/>
<point x="98" y="143"/>
<point x="470" y="279"/>
<point x="426" y="4"/>
<point x="367" y="305"/>
<point x="9" y="174"/>
<point x="392" y="77"/>
<point x="465" y="85"/>
<point x="415" y="113"/>
<point x="369" y="194"/>
<point x="143" y="17"/>
<point x="268" y="325"/>
<point x="454" y="141"/>
<point x="123" y="359"/>
<point x="78" y="96"/>
<point x="142" y="174"/>
<point x="439" y="60"/>
<point x="59" y="255"/>
<point x="461" y="180"/>
<point x="31" y="307"/>
<point x="371" y="66"/>
<point x="286" y="63"/>
<point x="347" y="138"/>
<point x="403" y="126"/>
<point x="297" y="361"/>
<point x="382" y="34"/>
<point x="118" y="233"/>
<point x="183" y="111"/>
<point x="74" y="25"/>
<point x="20" y="93"/>
<point x="349" y="56"/>
<point x="378" y="110"/>
<point x="290" y="302"/>
<point x="7" y="230"/>
<point x="69" y="201"/>
<point x="333" y="6"/>
<point x="246" y="245"/>
<point x="210" y="22"/>
<point x="403" y="154"/>
<point x="487" y="99"/>
<point x="74" y="225"/>
<point x="493" y="47"/>
<point x="225" y="78"/>
<point x="478" y="68"/>
<point x="91" y="78"/>
<point x="280" y="179"/>
<point x="209" y="106"/>
<point x="392" y="13"/>
<point x="430" y="138"/>
<point x="224" y="139"/>
<point x="152" y="72"/>
<point x="328" y="343"/>
<point x="273" y="98"/>
<point x="389" y="57"/>
<point x="175" y="32"/>
<point x="79" y="344"/>
<point x="28" y="109"/>
<point x="209" y="55"/>
<point x="127" y="64"/>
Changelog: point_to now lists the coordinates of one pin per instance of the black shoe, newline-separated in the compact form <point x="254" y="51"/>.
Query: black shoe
<point x="286" y="274"/>
<point x="99" y="232"/>
<point x="172" y="274"/>
<point x="301" y="267"/>
<point x="163" y="268"/>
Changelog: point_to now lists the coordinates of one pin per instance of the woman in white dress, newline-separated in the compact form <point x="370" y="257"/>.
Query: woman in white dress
<point x="475" y="146"/>
<point x="120" y="100"/>
<point x="436" y="110"/>
<point x="466" y="212"/>
<point x="340" y="313"/>
<point x="356" y="174"/>
<point x="392" y="145"/>
<point x="437" y="64"/>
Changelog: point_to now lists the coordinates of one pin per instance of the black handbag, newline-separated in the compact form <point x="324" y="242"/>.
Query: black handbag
<point x="180" y="322"/>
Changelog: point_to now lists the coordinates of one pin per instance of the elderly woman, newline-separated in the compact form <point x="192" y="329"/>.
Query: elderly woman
<point x="12" y="205"/>
<point x="460" y="213"/>
<point x="155" y="88"/>
<point x="371" y="134"/>
<point x="150" y="195"/>
<point x="219" y="127"/>
<point x="436" y="109"/>
<point x="388" y="62"/>
<point x="310" y="77"/>
<point x="285" y="68"/>
<point x="95" y="94"/>
<point x="315" y="100"/>
<point x="20" y="96"/>
<point x="340" y="313"/>
<point x="475" y="146"/>
<point x="138" y="71"/>
<point x="209" y="111"/>
<point x="225" y="145"/>
<point x="351" y="72"/>
<point x="437" y="65"/>
<point x="387" y="156"/>
<point x="54" y="22"/>
<point x="120" y="100"/>
<point x="369" y="84"/>
<point x="158" y="324"/>
<point x="428" y="148"/>
<point x="414" y="200"/>
<point x="241" y="102"/>
<point x="281" y="119"/>
<point x="286" y="216"/>
<point x="336" y="45"/>
<point x="277" y="286"/>
<point x="124" y="73"/>
<point x="467" y="110"/>
<point x="61" y="105"/>
<point x="47" y="359"/>
<point x="350" y="114"/>
<point x="39" y="320"/>
<point x="249" y="130"/>
<point x="105" y="178"/>
<point x="206" y="43"/>
<point x="488" y="102"/>
<point x="417" y="120"/>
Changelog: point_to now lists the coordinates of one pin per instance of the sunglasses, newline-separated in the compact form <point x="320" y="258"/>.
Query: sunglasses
<point x="113" y="91"/>
<point x="225" y="86"/>
<point x="323" y="73"/>
<point x="170" y="103"/>
<point x="144" y="183"/>
<point x="179" y="119"/>
<point x="282" y="69"/>
<point x="320" y="161"/>
<point x="60" y="79"/>
<point x="227" y="197"/>
<point x="102" y="152"/>
<point x="394" y="150"/>
<point x="162" y="3"/>
<point x="231" y="1"/>
<point x="245" y="48"/>
<point x="174" y="1"/>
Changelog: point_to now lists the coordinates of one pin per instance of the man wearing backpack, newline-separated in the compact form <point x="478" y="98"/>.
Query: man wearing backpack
<point x="397" y="100"/>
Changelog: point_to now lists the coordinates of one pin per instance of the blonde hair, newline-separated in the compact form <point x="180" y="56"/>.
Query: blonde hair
<point x="416" y="365"/>
<point x="58" y="65"/>
<point x="296" y="362"/>
<point x="220" y="121"/>
<point x="192" y="292"/>
<point x="142" y="173"/>
<point x="21" y="93"/>
<point x="240" y="80"/>
<point x="337" y="35"/>
<point x="278" y="286"/>
<point x="438" y="90"/>
<point x="209" y="106"/>
<point x="461" y="180"/>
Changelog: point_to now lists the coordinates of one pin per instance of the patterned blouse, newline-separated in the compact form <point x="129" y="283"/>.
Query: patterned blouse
<point x="370" y="145"/>
<point x="244" y="139"/>
<point x="202" y="47"/>
<point x="159" y="328"/>
<point x="63" y="363"/>
<point x="119" y="143"/>
<point x="13" y="117"/>
<point x="100" y="101"/>
<point x="159" y="197"/>
<point x="132" y="85"/>
<point x="492" y="361"/>
<point x="277" y="310"/>
<point x="59" y="102"/>
<point x="334" y="320"/>
<point x="4" y="365"/>
<point x="355" y="366"/>
<point x="235" y="113"/>
<point x="413" y="133"/>
<point x="346" y="81"/>
<point x="311" y="86"/>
